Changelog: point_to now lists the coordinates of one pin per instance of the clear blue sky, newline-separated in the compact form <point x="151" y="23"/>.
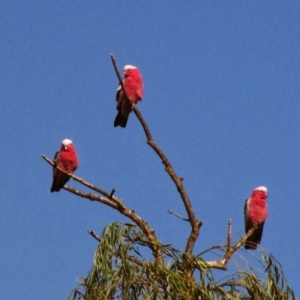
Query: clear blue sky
<point x="221" y="98"/>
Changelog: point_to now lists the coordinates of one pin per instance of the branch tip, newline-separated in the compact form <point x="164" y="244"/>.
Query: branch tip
<point x="115" y="204"/>
<point x="94" y="235"/>
<point x="112" y="193"/>
<point x="178" y="216"/>
<point x="169" y="169"/>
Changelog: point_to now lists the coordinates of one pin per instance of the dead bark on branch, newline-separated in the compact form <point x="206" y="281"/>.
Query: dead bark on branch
<point x="154" y="244"/>
<point x="229" y="234"/>
<point x="195" y="224"/>
<point x="94" y="235"/>
<point x="117" y="204"/>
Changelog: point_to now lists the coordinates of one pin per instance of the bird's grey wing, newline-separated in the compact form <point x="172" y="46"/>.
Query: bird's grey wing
<point x="248" y="223"/>
<point x="59" y="178"/>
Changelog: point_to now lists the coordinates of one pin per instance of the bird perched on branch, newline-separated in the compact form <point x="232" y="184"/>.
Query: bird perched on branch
<point x="256" y="214"/>
<point x="66" y="159"/>
<point x="133" y="85"/>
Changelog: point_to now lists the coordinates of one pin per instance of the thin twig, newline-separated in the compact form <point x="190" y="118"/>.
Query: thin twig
<point x="112" y="193"/>
<point x="195" y="224"/>
<point x="229" y="234"/>
<point x="178" y="216"/>
<point x="94" y="235"/>
<point x="220" y="247"/>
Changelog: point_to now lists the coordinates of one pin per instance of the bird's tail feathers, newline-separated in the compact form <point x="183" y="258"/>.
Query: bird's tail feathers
<point x="120" y="120"/>
<point x="254" y="239"/>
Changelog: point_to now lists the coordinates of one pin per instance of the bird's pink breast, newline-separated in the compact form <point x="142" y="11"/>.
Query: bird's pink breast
<point x="134" y="86"/>
<point x="257" y="210"/>
<point x="68" y="161"/>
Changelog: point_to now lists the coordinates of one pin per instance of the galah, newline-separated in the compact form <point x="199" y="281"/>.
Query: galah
<point x="133" y="85"/>
<point x="66" y="159"/>
<point x="256" y="213"/>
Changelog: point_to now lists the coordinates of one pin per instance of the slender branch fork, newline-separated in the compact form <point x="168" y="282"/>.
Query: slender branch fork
<point x="230" y="250"/>
<point x="117" y="204"/>
<point x="195" y="224"/>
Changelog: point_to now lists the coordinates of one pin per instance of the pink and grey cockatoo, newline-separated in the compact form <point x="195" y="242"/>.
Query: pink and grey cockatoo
<point x="133" y="85"/>
<point x="66" y="159"/>
<point x="256" y="213"/>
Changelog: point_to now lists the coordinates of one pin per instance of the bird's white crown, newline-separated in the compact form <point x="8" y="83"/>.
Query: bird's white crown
<point x="66" y="142"/>
<point x="128" y="67"/>
<point x="261" y="188"/>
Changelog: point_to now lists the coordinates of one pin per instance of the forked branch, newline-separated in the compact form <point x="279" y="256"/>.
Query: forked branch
<point x="195" y="224"/>
<point x="221" y="265"/>
<point x="117" y="204"/>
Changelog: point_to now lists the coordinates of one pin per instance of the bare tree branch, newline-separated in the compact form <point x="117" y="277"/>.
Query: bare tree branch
<point x="195" y="224"/>
<point x="229" y="234"/>
<point x="94" y="235"/>
<point x="76" y="178"/>
<point x="117" y="204"/>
